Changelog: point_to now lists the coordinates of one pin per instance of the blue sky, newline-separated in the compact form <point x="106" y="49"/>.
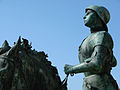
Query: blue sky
<point x="56" y="27"/>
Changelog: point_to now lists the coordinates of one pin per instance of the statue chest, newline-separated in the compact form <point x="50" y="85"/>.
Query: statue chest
<point x="85" y="49"/>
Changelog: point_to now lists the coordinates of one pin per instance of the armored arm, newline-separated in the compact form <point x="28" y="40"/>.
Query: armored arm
<point x="101" y="57"/>
<point x="93" y="64"/>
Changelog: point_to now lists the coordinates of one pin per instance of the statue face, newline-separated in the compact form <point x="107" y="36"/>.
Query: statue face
<point x="90" y="18"/>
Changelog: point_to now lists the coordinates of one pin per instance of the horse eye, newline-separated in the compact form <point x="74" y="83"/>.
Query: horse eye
<point x="4" y="63"/>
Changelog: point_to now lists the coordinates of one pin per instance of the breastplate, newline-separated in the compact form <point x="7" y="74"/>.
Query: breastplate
<point x="85" y="49"/>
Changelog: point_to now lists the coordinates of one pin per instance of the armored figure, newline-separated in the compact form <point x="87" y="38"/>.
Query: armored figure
<point x="96" y="52"/>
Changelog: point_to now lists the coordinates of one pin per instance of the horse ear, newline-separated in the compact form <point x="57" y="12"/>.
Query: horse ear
<point x="19" y="41"/>
<point x="15" y="47"/>
<point x="5" y="44"/>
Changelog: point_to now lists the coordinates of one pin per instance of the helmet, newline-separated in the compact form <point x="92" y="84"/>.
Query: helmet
<point x="102" y="12"/>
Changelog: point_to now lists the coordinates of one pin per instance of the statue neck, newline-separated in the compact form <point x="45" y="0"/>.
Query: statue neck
<point x="93" y="30"/>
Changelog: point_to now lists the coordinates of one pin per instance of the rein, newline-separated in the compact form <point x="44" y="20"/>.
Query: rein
<point x="63" y="83"/>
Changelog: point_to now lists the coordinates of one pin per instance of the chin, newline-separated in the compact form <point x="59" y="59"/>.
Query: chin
<point x="86" y="24"/>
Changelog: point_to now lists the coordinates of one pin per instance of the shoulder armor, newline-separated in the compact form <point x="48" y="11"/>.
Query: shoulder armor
<point x="102" y="38"/>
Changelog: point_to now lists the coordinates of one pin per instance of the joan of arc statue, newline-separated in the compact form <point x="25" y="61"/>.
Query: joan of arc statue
<point x="96" y="52"/>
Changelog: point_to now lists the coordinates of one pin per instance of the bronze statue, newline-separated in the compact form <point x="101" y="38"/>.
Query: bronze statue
<point x="96" y="52"/>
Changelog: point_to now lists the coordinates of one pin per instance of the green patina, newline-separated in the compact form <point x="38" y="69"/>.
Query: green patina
<point x="96" y="53"/>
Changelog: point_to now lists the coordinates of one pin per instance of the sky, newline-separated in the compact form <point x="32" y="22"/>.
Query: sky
<point x="56" y="27"/>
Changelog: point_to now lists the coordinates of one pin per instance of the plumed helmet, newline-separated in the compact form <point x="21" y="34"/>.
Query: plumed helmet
<point x="102" y="12"/>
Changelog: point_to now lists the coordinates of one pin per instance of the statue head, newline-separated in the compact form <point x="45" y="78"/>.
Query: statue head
<point x="96" y="16"/>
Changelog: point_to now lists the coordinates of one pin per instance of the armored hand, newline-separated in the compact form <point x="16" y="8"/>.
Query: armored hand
<point x="68" y="69"/>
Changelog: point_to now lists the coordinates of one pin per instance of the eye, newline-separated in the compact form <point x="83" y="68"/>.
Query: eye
<point x="87" y="13"/>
